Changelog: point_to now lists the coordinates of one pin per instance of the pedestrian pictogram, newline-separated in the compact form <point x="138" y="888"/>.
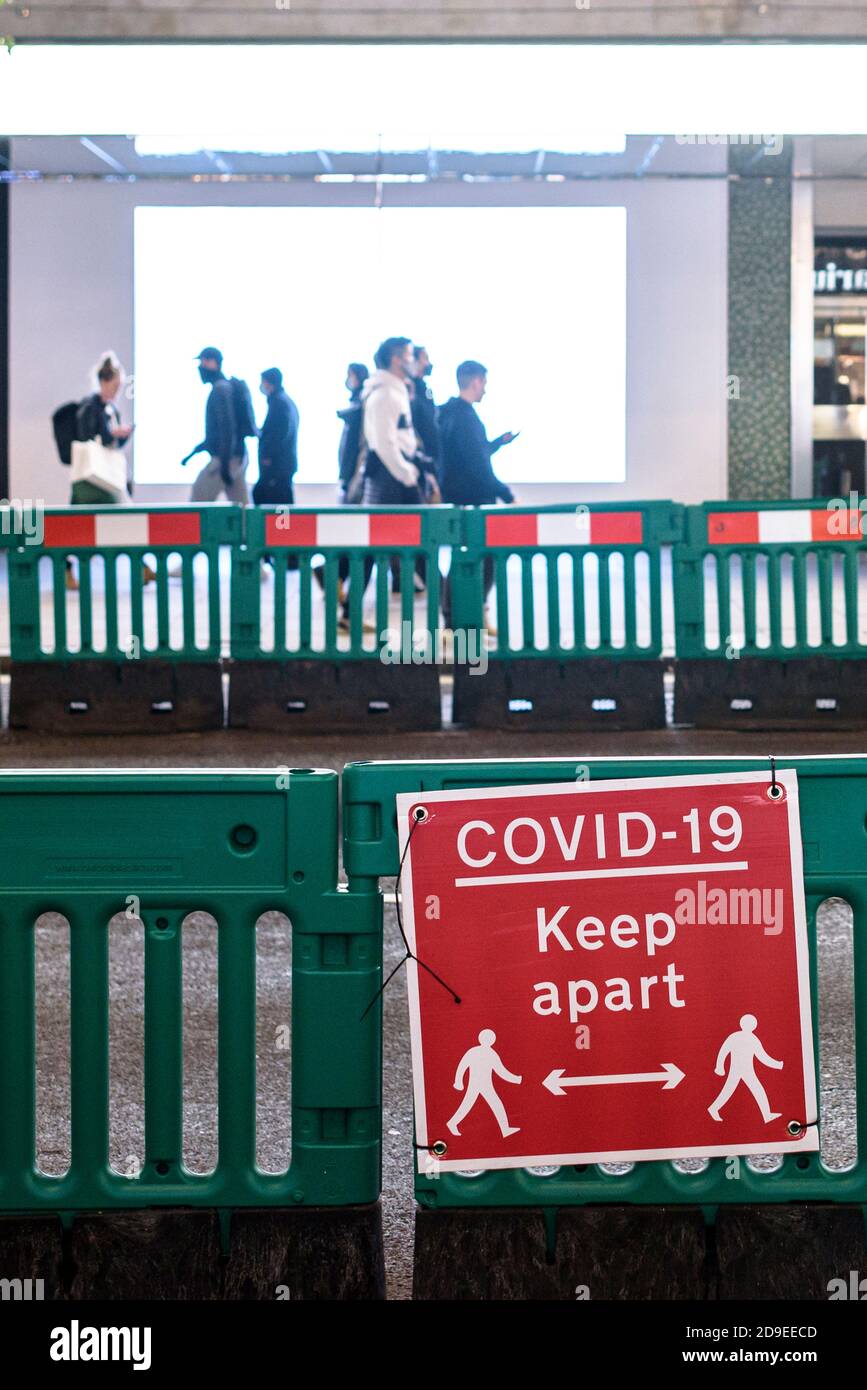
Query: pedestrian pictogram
<point x="742" y="1050"/>
<point x="476" y="1070"/>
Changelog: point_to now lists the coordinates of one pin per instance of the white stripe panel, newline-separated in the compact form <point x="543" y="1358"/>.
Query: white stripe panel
<point x="343" y="530"/>
<point x="563" y="528"/>
<point x="775" y="527"/>
<point x="129" y="528"/>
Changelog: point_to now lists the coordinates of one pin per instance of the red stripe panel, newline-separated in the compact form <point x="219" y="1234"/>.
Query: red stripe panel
<point x="174" y="528"/>
<point x="395" y="528"/>
<point x="616" y="528"/>
<point x="511" y="529"/>
<point x="836" y="525"/>
<point x="69" y="530"/>
<point x="733" y="528"/>
<point x="291" y="528"/>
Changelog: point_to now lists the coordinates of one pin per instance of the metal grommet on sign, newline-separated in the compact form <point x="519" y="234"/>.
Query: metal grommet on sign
<point x="795" y="1128"/>
<point x="439" y="1148"/>
<point x="420" y="813"/>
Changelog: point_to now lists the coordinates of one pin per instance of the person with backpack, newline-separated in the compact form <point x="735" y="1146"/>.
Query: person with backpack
<point x="229" y="423"/>
<point x="96" y="417"/>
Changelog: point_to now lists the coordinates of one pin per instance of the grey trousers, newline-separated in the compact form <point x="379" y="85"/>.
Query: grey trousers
<point x="209" y="483"/>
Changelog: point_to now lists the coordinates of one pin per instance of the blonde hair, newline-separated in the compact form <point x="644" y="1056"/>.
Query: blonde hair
<point x="107" y="368"/>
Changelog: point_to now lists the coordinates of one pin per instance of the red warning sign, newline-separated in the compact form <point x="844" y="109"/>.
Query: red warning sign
<point x="631" y="963"/>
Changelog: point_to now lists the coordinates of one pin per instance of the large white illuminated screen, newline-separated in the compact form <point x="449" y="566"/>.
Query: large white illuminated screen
<point x="536" y="294"/>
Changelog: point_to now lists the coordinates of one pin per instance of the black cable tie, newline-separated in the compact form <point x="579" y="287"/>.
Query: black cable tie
<point x="418" y="820"/>
<point x="774" y="791"/>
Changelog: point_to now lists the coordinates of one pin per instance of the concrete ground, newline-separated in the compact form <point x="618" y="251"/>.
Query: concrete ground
<point x="244" y="749"/>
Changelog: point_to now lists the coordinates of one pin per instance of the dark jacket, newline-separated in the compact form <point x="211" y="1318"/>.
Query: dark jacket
<point x="466" y="476"/>
<point x="222" y="433"/>
<point x="350" y="440"/>
<point x="424" y="419"/>
<point x="278" y="437"/>
<point x="95" y="419"/>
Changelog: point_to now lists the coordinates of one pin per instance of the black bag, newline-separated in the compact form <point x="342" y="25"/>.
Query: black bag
<point x="63" y="422"/>
<point x="245" y="419"/>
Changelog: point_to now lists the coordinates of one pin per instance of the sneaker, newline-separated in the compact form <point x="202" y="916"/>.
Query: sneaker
<point x="419" y="584"/>
<point x="148" y="576"/>
<point x="71" y="581"/>
<point x="343" y="624"/>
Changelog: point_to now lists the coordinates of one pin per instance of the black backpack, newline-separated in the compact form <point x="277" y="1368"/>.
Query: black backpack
<point x="63" y="422"/>
<point x="243" y="403"/>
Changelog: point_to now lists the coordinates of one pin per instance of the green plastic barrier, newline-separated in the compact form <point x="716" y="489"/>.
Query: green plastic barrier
<point x="573" y="628"/>
<point x="755" y="570"/>
<point x="113" y="620"/>
<point x="347" y="539"/>
<point x="770" y="609"/>
<point x="614" y="535"/>
<point x="833" y="798"/>
<point x="236" y="845"/>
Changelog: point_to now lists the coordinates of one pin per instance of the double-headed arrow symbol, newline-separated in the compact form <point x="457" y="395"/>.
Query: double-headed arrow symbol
<point x="671" y="1075"/>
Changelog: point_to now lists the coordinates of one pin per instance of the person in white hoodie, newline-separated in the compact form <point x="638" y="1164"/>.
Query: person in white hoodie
<point x="391" y="476"/>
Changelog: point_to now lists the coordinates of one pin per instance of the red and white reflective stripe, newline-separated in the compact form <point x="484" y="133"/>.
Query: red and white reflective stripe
<point x="564" y="528"/>
<point x="345" y="529"/>
<point x="120" y="530"/>
<point x="784" y="526"/>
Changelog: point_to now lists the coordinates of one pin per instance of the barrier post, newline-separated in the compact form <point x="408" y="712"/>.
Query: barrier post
<point x="236" y="845"/>
<point x="768" y="610"/>
<point x="304" y="656"/>
<point x="567" y="602"/>
<point x="97" y="642"/>
<point x="653" y="1229"/>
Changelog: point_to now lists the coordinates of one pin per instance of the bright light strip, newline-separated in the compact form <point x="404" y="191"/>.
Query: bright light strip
<point x="411" y="140"/>
<point x="308" y="91"/>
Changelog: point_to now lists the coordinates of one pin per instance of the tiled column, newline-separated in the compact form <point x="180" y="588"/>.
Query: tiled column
<point x="759" y="332"/>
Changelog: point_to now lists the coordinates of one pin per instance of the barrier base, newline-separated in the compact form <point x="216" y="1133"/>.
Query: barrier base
<point x="310" y="1254"/>
<point x="586" y="694"/>
<point x="31" y="1248"/>
<point x="752" y="693"/>
<point x="596" y="1252"/>
<point x="105" y="697"/>
<point x="790" y="1252"/>
<point x="314" y="1253"/>
<point x="324" y="696"/>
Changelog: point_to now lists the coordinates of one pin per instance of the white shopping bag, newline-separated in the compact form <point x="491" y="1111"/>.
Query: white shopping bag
<point x="93" y="463"/>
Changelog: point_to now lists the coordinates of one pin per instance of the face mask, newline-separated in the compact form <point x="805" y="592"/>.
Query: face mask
<point x="208" y="374"/>
<point x="426" y="371"/>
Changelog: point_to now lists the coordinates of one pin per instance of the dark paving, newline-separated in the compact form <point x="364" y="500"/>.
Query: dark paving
<point x="239" y="749"/>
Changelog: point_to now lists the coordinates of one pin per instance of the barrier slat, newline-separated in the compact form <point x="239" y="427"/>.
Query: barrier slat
<point x="163" y="1039"/>
<point x="88" y="992"/>
<point x="17" y="1046"/>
